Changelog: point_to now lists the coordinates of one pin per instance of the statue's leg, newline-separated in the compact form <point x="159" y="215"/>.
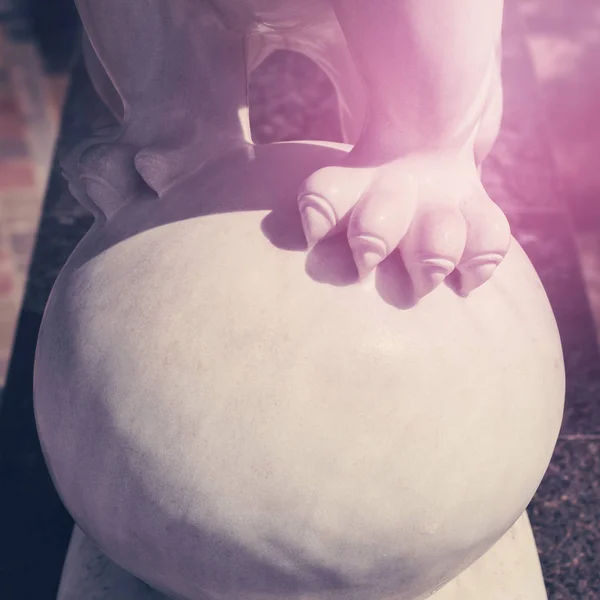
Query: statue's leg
<point x="431" y="74"/>
<point x="175" y="78"/>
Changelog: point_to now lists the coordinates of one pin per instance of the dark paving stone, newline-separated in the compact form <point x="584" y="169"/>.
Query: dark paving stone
<point x="63" y="223"/>
<point x="63" y="220"/>
<point x="55" y="26"/>
<point x="564" y="515"/>
<point x="52" y="24"/>
<point x="34" y="524"/>
<point x="36" y="531"/>
<point x="549" y="243"/>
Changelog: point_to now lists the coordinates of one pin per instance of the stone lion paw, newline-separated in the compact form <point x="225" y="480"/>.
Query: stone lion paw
<point x="432" y="207"/>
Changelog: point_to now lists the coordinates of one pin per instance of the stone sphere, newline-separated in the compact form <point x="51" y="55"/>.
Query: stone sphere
<point x="228" y="415"/>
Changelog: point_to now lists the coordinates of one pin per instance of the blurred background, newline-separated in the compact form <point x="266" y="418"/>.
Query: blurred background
<point x="38" y="39"/>
<point x="544" y="171"/>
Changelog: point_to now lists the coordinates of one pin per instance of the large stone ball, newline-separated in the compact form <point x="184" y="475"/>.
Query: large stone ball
<point x="230" y="416"/>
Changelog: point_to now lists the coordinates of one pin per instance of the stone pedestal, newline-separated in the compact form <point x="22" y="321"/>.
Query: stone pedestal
<point x="509" y="571"/>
